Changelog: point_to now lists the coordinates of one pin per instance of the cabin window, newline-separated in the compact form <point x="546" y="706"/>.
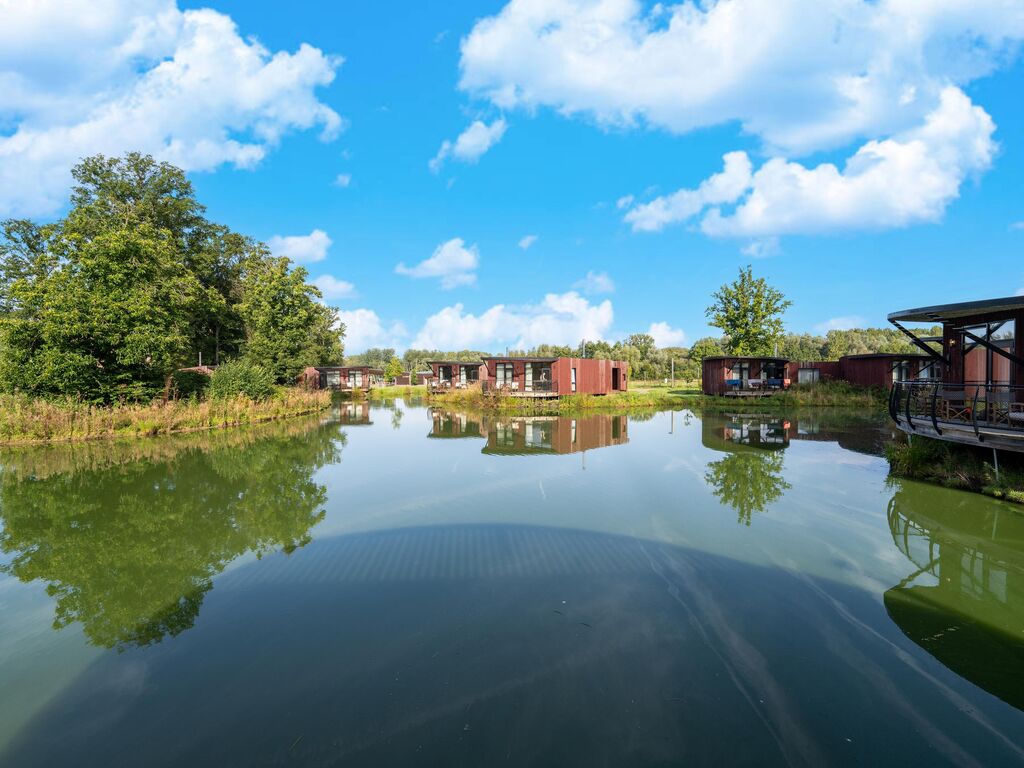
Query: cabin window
<point x="740" y="371"/>
<point x="332" y="379"/>
<point x="808" y="376"/>
<point x="984" y="365"/>
<point x="355" y="378"/>
<point x="772" y="371"/>
<point x="573" y="379"/>
<point x="462" y="375"/>
<point x="901" y="371"/>
<point x="927" y="372"/>
<point x="503" y="374"/>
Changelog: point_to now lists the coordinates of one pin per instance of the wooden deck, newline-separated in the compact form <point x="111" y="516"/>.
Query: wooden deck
<point x="963" y="433"/>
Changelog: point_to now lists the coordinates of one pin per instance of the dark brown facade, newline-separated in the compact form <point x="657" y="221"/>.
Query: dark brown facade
<point x="456" y="374"/>
<point x="555" y="376"/>
<point x="881" y="370"/>
<point x="342" y="377"/>
<point x="724" y="375"/>
<point x="979" y="396"/>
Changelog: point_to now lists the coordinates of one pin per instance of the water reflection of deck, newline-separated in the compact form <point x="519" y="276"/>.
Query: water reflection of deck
<point x="533" y="435"/>
<point x="964" y="601"/>
<point x="740" y="431"/>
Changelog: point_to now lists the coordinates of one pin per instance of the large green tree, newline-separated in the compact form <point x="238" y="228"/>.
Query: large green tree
<point x="286" y="326"/>
<point x="135" y="282"/>
<point x="749" y="312"/>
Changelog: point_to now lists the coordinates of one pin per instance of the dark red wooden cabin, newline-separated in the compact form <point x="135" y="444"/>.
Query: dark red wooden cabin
<point x="738" y="374"/>
<point x="979" y="359"/>
<point x="342" y="377"/>
<point x="455" y="374"/>
<point x="555" y="376"/>
<point x="883" y="369"/>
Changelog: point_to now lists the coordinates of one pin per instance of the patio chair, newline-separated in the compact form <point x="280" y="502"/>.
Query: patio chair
<point x="954" y="405"/>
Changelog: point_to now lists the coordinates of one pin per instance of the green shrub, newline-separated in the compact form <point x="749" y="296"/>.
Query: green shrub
<point x="240" y="378"/>
<point x="188" y="384"/>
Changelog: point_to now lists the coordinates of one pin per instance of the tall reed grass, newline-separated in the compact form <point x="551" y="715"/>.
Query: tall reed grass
<point x="28" y="420"/>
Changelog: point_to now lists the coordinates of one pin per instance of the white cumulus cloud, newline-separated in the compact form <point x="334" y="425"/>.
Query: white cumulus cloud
<point x="723" y="187"/>
<point x="334" y="289"/>
<point x="594" y="283"/>
<point x="471" y="144"/>
<point x="364" y="329"/>
<point x="559" y="319"/>
<point x="107" y="76"/>
<point x="343" y="180"/>
<point x="804" y="75"/>
<point x="665" y="335"/>
<point x="302" y="249"/>
<point x="884" y="79"/>
<point x="526" y="241"/>
<point x="453" y="262"/>
<point x="907" y="179"/>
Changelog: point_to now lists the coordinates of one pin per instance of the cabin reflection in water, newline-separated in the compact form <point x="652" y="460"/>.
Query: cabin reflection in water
<point x="964" y="600"/>
<point x="354" y="413"/>
<point x="449" y="424"/>
<point x="533" y="435"/>
<point x="731" y="432"/>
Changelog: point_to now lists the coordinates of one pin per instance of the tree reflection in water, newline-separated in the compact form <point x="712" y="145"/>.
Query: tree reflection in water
<point x="748" y="482"/>
<point x="128" y="537"/>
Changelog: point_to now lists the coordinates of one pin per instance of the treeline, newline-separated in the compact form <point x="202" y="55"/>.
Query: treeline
<point x="649" y="362"/>
<point x="135" y="282"/>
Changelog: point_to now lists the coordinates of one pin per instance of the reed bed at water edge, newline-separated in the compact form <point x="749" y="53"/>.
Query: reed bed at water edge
<point x="29" y="420"/>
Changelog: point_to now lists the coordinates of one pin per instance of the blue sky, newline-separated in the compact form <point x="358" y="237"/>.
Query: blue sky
<point x="592" y="118"/>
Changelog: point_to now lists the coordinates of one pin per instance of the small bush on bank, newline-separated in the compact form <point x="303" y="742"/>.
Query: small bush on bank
<point x="189" y="384"/>
<point x="241" y="379"/>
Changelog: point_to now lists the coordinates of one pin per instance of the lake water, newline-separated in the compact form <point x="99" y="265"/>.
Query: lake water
<point x="392" y="585"/>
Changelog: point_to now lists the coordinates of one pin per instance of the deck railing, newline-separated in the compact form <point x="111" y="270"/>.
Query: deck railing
<point x="519" y="387"/>
<point x="974" y="404"/>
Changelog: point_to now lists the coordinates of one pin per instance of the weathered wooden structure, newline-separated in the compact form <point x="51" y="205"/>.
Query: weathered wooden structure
<point x="975" y="391"/>
<point x="342" y="377"/>
<point x="744" y="376"/>
<point x="455" y="374"/>
<point x="554" y="376"/>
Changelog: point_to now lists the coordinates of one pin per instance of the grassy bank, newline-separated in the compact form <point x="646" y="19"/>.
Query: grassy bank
<point x="391" y="393"/>
<point x="958" y="466"/>
<point x="474" y="398"/>
<point x="26" y="420"/>
<point x="682" y="395"/>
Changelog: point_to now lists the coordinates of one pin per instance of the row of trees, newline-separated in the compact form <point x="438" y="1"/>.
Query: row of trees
<point x="135" y="283"/>
<point x="748" y="311"/>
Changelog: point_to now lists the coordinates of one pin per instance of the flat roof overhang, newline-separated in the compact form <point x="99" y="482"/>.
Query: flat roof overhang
<point x="749" y="357"/>
<point x="524" y="359"/>
<point x="452" y="362"/>
<point x="947" y="312"/>
<point x="888" y="356"/>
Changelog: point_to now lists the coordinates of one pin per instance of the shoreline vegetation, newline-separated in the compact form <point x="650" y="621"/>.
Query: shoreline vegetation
<point x="683" y="394"/>
<point x="958" y="466"/>
<point x="31" y="421"/>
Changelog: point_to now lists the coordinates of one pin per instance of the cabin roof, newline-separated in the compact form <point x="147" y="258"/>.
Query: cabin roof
<point x="368" y="369"/>
<point x="455" y="362"/>
<point x="749" y="357"/>
<point x="523" y="359"/>
<point x="888" y="356"/>
<point x="942" y="312"/>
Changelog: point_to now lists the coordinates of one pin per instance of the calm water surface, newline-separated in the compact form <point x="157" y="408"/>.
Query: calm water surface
<point x="399" y="586"/>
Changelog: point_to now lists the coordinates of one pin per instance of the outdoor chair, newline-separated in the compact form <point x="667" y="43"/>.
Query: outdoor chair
<point x="954" y="405"/>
